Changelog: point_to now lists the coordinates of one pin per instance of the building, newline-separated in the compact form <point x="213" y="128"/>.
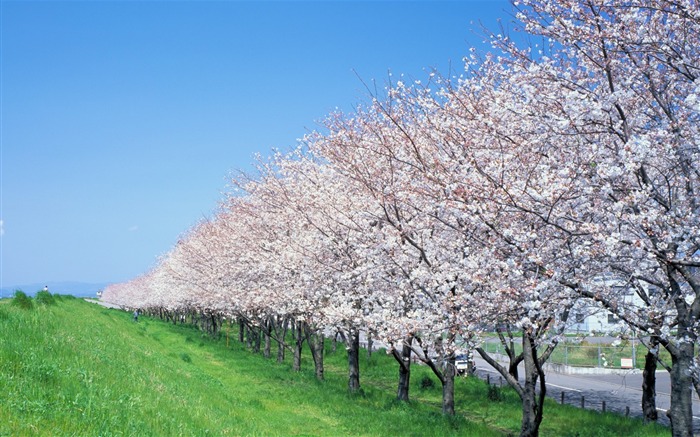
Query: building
<point x="590" y="318"/>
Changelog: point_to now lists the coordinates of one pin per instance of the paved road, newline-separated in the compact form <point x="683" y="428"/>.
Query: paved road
<point x="618" y="391"/>
<point x="104" y="304"/>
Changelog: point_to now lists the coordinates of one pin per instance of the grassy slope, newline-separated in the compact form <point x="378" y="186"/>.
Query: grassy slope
<point x="78" y="369"/>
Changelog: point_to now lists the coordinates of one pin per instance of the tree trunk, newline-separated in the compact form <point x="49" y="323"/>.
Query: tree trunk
<point x="509" y="347"/>
<point x="280" y="352"/>
<point x="298" y="343"/>
<point x="531" y="404"/>
<point x="316" y="343"/>
<point x="696" y="383"/>
<point x="448" y="386"/>
<point x="318" y="362"/>
<point x="513" y="367"/>
<point x="281" y="340"/>
<point x="249" y="337"/>
<point x="404" y="360"/>
<point x="214" y="325"/>
<point x="681" y="411"/>
<point x="649" y="382"/>
<point x="241" y="330"/>
<point x="266" y="332"/>
<point x="256" y="339"/>
<point x="205" y="323"/>
<point x="353" y="347"/>
<point x="446" y="375"/>
<point x="369" y="345"/>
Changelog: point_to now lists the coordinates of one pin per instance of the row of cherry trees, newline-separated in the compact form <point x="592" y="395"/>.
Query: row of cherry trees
<point x="494" y="201"/>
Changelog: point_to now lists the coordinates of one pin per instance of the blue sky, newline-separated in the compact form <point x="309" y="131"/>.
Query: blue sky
<point x="122" y="120"/>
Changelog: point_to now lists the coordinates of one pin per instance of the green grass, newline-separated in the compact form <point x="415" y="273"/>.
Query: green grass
<point x="76" y="369"/>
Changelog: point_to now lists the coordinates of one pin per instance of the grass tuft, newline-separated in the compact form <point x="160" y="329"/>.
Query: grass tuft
<point x="21" y="300"/>
<point x="43" y="297"/>
<point x="494" y="394"/>
<point x="427" y="383"/>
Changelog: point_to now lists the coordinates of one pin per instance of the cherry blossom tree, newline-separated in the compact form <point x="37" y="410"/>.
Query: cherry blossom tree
<point x="491" y="201"/>
<point x="628" y="72"/>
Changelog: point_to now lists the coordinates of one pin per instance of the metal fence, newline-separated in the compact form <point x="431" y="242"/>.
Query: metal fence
<point x="624" y="355"/>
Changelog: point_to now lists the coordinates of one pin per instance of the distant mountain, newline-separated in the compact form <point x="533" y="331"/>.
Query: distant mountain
<point x="77" y="289"/>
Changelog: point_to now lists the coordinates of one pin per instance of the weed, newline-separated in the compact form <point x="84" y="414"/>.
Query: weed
<point x="427" y="383"/>
<point x="394" y="403"/>
<point x="43" y="297"/>
<point x="185" y="357"/>
<point x="495" y="394"/>
<point x="21" y="300"/>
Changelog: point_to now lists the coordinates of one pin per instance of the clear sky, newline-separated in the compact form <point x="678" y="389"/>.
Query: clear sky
<point x="122" y="120"/>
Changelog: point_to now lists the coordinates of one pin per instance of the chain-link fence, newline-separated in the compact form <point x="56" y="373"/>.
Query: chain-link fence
<point x="626" y="355"/>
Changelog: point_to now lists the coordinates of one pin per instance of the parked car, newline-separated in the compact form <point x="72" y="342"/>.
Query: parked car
<point x="462" y="364"/>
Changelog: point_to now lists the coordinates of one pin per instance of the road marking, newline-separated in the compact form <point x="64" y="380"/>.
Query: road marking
<point x="661" y="409"/>
<point x="562" y="387"/>
<point x="548" y="383"/>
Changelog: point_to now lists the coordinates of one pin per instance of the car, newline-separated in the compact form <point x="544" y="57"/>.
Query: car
<point x="462" y="364"/>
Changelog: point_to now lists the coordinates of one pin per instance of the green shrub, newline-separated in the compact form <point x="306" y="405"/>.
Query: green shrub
<point x="494" y="394"/>
<point x="23" y="301"/>
<point x="426" y="383"/>
<point x="43" y="297"/>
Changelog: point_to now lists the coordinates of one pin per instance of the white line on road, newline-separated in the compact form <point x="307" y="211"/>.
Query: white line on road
<point x="663" y="410"/>
<point x="548" y="383"/>
<point x="562" y="387"/>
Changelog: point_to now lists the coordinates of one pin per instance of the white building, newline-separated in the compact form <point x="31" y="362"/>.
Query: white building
<point x="589" y="318"/>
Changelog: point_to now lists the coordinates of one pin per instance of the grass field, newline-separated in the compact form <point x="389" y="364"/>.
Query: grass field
<point x="76" y="369"/>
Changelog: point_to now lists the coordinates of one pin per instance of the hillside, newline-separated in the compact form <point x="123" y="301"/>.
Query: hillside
<point x="75" y="368"/>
